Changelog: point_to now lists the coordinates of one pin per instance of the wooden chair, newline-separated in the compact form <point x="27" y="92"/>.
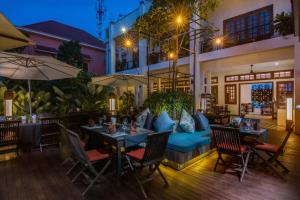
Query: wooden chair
<point x="49" y="132"/>
<point x="227" y="141"/>
<point x="9" y="132"/>
<point x="150" y="156"/>
<point x="88" y="159"/>
<point x="274" y="151"/>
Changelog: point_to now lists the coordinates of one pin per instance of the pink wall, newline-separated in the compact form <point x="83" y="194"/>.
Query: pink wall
<point x="96" y="64"/>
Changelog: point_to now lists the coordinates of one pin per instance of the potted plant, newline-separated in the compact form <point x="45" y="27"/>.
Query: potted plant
<point x="284" y="24"/>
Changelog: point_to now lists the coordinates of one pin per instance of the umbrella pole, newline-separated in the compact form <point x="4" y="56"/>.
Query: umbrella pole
<point x="29" y="101"/>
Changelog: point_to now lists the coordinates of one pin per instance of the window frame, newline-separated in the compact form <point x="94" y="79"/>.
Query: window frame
<point x="233" y="40"/>
<point x="227" y="98"/>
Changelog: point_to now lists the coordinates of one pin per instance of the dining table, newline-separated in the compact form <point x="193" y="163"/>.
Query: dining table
<point x="29" y="135"/>
<point x="261" y="133"/>
<point x="122" y="138"/>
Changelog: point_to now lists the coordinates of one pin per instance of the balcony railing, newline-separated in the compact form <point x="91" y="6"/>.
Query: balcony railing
<point x="254" y="34"/>
<point x="126" y="65"/>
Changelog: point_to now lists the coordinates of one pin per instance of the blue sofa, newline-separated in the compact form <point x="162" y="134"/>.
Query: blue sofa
<point x="186" y="148"/>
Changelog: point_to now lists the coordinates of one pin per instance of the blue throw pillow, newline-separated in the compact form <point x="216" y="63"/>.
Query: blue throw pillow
<point x="163" y="122"/>
<point x="187" y="123"/>
<point x="202" y="122"/>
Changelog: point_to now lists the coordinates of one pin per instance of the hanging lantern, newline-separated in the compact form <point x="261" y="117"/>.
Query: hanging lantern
<point x="8" y="103"/>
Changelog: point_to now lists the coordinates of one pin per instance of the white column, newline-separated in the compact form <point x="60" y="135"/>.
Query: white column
<point x="136" y="96"/>
<point x="297" y="84"/>
<point x="111" y="51"/>
<point x="143" y="56"/>
<point x="159" y="85"/>
<point x="141" y="95"/>
<point x="195" y="75"/>
<point x="208" y="82"/>
<point x="151" y="86"/>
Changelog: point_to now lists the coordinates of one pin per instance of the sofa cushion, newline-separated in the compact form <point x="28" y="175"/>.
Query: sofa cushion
<point x="141" y="118"/>
<point x="186" y="142"/>
<point x="149" y="122"/>
<point x="164" y="122"/>
<point x="201" y="122"/>
<point x="187" y="122"/>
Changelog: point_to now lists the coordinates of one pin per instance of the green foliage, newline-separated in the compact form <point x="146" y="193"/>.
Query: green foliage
<point x="284" y="23"/>
<point x="160" y="21"/>
<point x="88" y="98"/>
<point x="70" y="53"/>
<point x="169" y="101"/>
<point x="40" y="101"/>
<point x="60" y="96"/>
<point x="126" y="101"/>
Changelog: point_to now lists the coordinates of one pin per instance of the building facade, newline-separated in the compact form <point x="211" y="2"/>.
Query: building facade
<point x="250" y="65"/>
<point x="49" y="35"/>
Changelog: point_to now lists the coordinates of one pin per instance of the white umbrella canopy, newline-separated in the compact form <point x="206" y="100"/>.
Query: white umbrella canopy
<point x="10" y="36"/>
<point x="31" y="67"/>
<point x="116" y="80"/>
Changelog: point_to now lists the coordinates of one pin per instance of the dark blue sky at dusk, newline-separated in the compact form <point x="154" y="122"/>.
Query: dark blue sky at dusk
<point x="77" y="13"/>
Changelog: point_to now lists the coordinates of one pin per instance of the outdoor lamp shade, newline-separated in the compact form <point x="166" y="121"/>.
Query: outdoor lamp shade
<point x="8" y="103"/>
<point x="289" y="109"/>
<point x="112" y="104"/>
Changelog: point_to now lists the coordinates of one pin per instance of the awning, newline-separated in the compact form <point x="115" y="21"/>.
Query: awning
<point x="10" y="36"/>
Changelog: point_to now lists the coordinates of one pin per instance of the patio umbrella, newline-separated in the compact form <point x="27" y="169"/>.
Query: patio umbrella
<point x="120" y="80"/>
<point x="31" y="67"/>
<point x="10" y="36"/>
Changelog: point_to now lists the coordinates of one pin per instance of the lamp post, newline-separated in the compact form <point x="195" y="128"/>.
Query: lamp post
<point x="289" y="111"/>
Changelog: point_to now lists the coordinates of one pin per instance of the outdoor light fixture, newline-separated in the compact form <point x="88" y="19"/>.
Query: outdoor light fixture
<point x="289" y="111"/>
<point x="123" y="29"/>
<point x="128" y="43"/>
<point x="8" y="103"/>
<point x="218" y="41"/>
<point x="112" y="103"/>
<point x="179" y="20"/>
<point x="171" y="55"/>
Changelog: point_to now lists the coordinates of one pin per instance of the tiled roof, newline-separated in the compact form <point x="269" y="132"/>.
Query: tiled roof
<point x="65" y="31"/>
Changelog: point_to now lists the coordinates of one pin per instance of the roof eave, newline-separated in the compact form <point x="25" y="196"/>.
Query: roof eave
<point x="59" y="38"/>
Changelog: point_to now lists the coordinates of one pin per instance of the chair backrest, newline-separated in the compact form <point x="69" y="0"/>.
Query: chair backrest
<point x="155" y="147"/>
<point x="50" y="125"/>
<point x="227" y="140"/>
<point x="9" y="132"/>
<point x="77" y="147"/>
<point x="289" y="132"/>
<point x="79" y="152"/>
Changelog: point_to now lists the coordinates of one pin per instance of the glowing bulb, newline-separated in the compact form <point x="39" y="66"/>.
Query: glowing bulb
<point x="276" y="63"/>
<point x="123" y="29"/>
<point x="218" y="41"/>
<point x="128" y="43"/>
<point x="179" y="20"/>
<point x="171" y="55"/>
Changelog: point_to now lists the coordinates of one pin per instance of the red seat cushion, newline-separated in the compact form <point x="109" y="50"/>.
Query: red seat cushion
<point x="232" y="148"/>
<point x="267" y="147"/>
<point x="95" y="155"/>
<point x="137" y="154"/>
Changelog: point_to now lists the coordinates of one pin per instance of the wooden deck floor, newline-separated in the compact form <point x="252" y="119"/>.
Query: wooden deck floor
<point x="39" y="176"/>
